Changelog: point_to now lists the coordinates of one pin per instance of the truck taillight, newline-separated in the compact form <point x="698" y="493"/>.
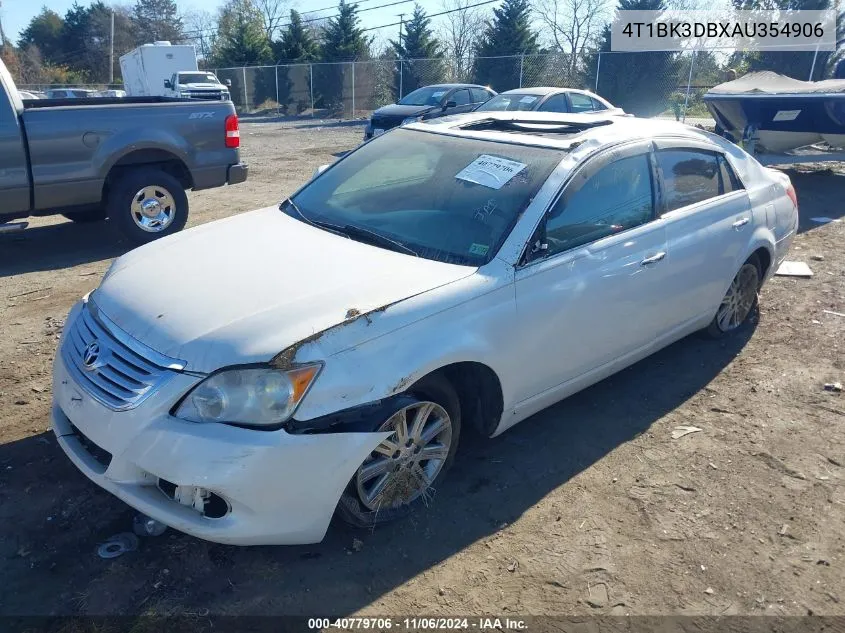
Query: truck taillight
<point x="233" y="131"/>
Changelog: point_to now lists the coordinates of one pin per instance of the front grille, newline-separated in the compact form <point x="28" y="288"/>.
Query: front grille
<point x="107" y="369"/>
<point x="385" y="124"/>
<point x="208" y="96"/>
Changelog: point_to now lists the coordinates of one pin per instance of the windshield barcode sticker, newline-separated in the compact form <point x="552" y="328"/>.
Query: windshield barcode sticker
<point x="528" y="99"/>
<point x="490" y="171"/>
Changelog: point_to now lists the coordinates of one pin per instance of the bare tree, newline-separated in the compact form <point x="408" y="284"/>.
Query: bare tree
<point x="459" y="31"/>
<point x="273" y="14"/>
<point x="572" y="24"/>
<point x="201" y="31"/>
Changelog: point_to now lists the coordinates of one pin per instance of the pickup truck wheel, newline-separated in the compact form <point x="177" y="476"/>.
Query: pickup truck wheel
<point x="148" y="204"/>
<point x="404" y="470"/>
<point x="85" y="217"/>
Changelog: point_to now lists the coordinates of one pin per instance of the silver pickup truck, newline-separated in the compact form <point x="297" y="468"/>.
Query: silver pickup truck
<point x="128" y="159"/>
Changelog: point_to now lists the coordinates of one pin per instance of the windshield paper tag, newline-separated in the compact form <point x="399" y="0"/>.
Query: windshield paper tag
<point x="528" y="99"/>
<point x="479" y="249"/>
<point x="490" y="171"/>
<point x="435" y="95"/>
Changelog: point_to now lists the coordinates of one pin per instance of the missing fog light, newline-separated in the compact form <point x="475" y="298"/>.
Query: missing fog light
<point x="207" y="503"/>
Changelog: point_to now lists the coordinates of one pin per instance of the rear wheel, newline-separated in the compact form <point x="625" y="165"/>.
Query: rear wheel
<point x="148" y="204"/>
<point x="403" y="471"/>
<point x="739" y="302"/>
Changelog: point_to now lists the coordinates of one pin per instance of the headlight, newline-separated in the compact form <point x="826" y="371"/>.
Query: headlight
<point x="411" y="119"/>
<point x="260" y="396"/>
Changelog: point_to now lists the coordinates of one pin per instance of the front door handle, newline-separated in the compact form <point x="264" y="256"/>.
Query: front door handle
<point x="653" y="259"/>
<point x="741" y="222"/>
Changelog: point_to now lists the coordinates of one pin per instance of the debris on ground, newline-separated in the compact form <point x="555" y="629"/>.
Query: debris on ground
<point x="143" y="525"/>
<point x="817" y="258"/>
<point x="357" y="545"/>
<point x="709" y="591"/>
<point x="118" y="545"/>
<point x="680" y="431"/>
<point x="597" y="595"/>
<point x="513" y="566"/>
<point x="794" y="269"/>
<point x="783" y="530"/>
<point x="839" y="314"/>
<point x="833" y="386"/>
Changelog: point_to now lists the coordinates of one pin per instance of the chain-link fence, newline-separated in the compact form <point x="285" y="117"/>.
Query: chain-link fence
<point x="643" y="83"/>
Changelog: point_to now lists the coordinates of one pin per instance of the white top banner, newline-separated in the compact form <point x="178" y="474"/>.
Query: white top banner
<point x="675" y="30"/>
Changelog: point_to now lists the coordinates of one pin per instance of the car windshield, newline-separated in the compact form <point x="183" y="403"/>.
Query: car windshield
<point x="510" y="103"/>
<point x="197" y="78"/>
<point x="429" y="96"/>
<point x="440" y="197"/>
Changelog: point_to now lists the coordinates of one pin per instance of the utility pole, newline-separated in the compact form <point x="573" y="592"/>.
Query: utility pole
<point x="2" y="33"/>
<point x="111" y="50"/>
<point x="401" y="25"/>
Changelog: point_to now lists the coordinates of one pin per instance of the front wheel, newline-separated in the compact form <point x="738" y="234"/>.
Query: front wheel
<point x="148" y="204"/>
<point x="739" y="301"/>
<point x="403" y="471"/>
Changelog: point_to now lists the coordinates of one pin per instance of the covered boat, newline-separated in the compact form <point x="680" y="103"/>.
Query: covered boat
<point x="778" y="112"/>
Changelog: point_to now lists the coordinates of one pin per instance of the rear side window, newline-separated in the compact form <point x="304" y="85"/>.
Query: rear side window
<point x="729" y="180"/>
<point x="479" y="95"/>
<point x="689" y="176"/>
<point x="598" y="105"/>
<point x="580" y="103"/>
<point x="556" y="103"/>
<point x="617" y="197"/>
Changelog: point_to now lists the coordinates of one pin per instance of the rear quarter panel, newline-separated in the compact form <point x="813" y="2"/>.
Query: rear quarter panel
<point x="72" y="148"/>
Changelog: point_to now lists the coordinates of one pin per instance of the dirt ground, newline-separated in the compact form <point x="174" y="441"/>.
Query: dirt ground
<point x="588" y="508"/>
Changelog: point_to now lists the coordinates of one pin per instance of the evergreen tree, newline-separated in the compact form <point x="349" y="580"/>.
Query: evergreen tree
<point x="508" y="33"/>
<point x="343" y="41"/>
<point x="297" y="43"/>
<point x="86" y="37"/>
<point x="420" y="53"/>
<point x="640" y="83"/>
<point x="242" y="40"/>
<point x="157" y="20"/>
<point x="45" y="32"/>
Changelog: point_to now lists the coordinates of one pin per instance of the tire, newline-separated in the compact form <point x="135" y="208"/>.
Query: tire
<point x="354" y="509"/>
<point x="87" y="217"/>
<point x="147" y="197"/>
<point x="728" y="319"/>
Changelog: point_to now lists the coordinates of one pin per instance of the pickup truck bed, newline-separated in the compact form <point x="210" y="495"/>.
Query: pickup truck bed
<point x="127" y="159"/>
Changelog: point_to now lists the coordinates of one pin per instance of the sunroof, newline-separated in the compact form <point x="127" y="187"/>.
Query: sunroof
<point x="535" y="127"/>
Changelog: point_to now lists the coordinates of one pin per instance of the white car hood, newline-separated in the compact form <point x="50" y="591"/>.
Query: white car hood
<point x="202" y="86"/>
<point x="243" y="289"/>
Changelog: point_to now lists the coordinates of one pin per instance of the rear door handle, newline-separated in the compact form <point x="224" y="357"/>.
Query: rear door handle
<point x="741" y="222"/>
<point x="653" y="259"/>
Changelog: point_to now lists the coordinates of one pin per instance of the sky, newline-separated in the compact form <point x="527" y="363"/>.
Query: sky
<point x="16" y="14"/>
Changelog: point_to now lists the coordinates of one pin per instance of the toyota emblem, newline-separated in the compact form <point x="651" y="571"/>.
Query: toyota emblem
<point x="91" y="355"/>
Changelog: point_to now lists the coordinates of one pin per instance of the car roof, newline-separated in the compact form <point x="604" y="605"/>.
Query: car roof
<point x="584" y="131"/>
<point x="449" y="86"/>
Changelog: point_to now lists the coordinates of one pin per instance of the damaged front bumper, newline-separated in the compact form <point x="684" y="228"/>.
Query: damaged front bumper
<point x="216" y="482"/>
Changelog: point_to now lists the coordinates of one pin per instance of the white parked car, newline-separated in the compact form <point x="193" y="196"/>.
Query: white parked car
<point x="454" y="275"/>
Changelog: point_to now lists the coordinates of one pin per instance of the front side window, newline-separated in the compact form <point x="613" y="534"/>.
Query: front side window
<point x="689" y="176"/>
<point x="510" y="103"/>
<point x="580" y="103"/>
<point x="617" y="197"/>
<point x="556" y="103"/>
<point x="440" y="197"/>
<point x="428" y="96"/>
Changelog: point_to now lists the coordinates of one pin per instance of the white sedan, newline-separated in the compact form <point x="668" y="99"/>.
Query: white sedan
<point x="245" y="380"/>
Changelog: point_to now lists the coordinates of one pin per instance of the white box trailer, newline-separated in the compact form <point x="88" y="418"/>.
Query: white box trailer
<point x="162" y="69"/>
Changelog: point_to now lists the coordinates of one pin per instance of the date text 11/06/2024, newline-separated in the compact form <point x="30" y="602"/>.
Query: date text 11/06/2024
<point x="418" y="624"/>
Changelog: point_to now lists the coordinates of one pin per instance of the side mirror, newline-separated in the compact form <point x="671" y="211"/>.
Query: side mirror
<point x="229" y="83"/>
<point x="450" y="104"/>
<point x="319" y="171"/>
<point x="168" y="84"/>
